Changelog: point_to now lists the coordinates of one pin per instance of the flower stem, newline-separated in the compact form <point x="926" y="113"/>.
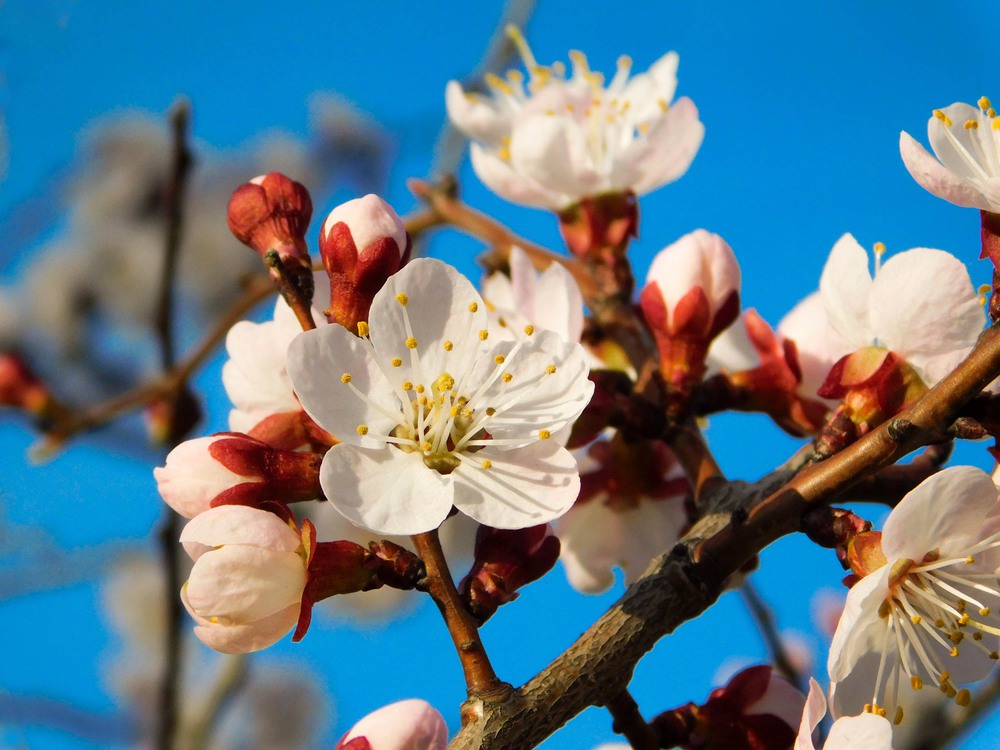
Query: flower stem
<point x="479" y="675"/>
<point x="629" y="723"/>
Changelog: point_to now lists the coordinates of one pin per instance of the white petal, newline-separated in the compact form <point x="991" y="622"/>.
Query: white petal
<point x="192" y="478"/>
<point x="732" y="350"/>
<point x="665" y="152"/>
<point x="388" y="491"/>
<point x="318" y="360"/>
<point x="238" y="583"/>
<point x="511" y="185"/>
<point x="558" y="304"/>
<point x="445" y="315"/>
<point x="552" y="150"/>
<point x="243" y="639"/>
<point x="865" y="730"/>
<point x="846" y="289"/>
<point x="407" y="725"/>
<point x="647" y="90"/>
<point x="924" y="308"/>
<point x="591" y="543"/>
<point x="937" y="179"/>
<point x="254" y="376"/>
<point x="860" y="630"/>
<point x="818" y="345"/>
<point x="523" y="487"/>
<point x="812" y="714"/>
<point x="954" y="145"/>
<point x="949" y="511"/>
<point x="534" y="398"/>
<point x="475" y="115"/>
<point x="237" y="524"/>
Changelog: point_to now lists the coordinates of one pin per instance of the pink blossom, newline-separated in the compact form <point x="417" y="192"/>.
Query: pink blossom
<point x="406" y="725"/>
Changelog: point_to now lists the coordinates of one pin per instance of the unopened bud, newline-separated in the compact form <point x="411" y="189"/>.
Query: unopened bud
<point x="505" y="561"/>
<point x="834" y="528"/>
<point x="21" y="388"/>
<point x="398" y="568"/>
<point x="363" y="243"/>
<point x="235" y="469"/>
<point x="407" y="725"/>
<point x="272" y="213"/>
<point x="692" y="294"/>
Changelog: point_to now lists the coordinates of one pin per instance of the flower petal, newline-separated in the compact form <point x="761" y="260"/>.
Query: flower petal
<point x="924" y="308"/>
<point x="475" y="115"/>
<point x="243" y="639"/>
<point x="846" y="288"/>
<point x="237" y="524"/>
<point x="860" y="630"/>
<point x="954" y="145"/>
<point x="552" y="150"/>
<point x="388" y="491"/>
<point x="239" y="584"/>
<point x="817" y="344"/>
<point x="812" y="715"/>
<point x="937" y="179"/>
<point x="666" y="151"/>
<point x="502" y="179"/>
<point x="865" y="730"/>
<point x="522" y="487"/>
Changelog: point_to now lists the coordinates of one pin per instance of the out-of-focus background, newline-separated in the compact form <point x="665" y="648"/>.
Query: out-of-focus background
<point x="802" y="103"/>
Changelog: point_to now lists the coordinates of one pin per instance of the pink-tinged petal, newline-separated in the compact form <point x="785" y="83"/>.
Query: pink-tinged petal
<point x="732" y="350"/>
<point x="592" y="541"/>
<point x="318" y="360"/>
<point x="782" y="700"/>
<point x="445" y="314"/>
<point x="949" y="512"/>
<point x="699" y="259"/>
<point x="407" y="725"/>
<point x="954" y="145"/>
<point x="558" y="304"/>
<point x="647" y="91"/>
<point x="812" y="715"/>
<point x="388" y="491"/>
<point x="503" y="180"/>
<point x="238" y="524"/>
<point x="521" y="487"/>
<point x="863" y="731"/>
<point x="476" y="115"/>
<point x="243" y="639"/>
<point x="846" y="290"/>
<point x="254" y="376"/>
<point x="665" y="153"/>
<point x="192" y="478"/>
<point x="239" y="584"/>
<point x="860" y="631"/>
<point x="553" y="151"/>
<point x="937" y="179"/>
<point x="924" y="308"/>
<point x="818" y="345"/>
<point x="547" y="388"/>
<point x="369" y="220"/>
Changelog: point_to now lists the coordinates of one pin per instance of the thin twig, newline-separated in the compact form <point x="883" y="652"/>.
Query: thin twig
<point x="480" y="679"/>
<point x="629" y="723"/>
<point x="169" y="688"/>
<point x="232" y="679"/>
<point x="763" y="616"/>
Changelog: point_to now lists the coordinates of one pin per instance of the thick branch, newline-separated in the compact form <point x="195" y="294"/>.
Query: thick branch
<point x="682" y="584"/>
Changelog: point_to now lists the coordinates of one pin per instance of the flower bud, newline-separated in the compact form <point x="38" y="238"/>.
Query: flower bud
<point x="234" y="469"/>
<point x="249" y="575"/>
<point x="692" y="294"/>
<point x="756" y="710"/>
<point x="363" y="243"/>
<point x="407" y="725"/>
<point x="272" y="212"/>
<point x="506" y="560"/>
<point x="21" y="388"/>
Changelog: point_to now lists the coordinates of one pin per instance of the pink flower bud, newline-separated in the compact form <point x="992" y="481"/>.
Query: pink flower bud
<point x="363" y="243"/>
<point x="757" y="710"/>
<point x="407" y="725"/>
<point x="245" y="589"/>
<point x="234" y="469"/>
<point x="692" y="294"/>
<point x="505" y="561"/>
<point x="272" y="212"/>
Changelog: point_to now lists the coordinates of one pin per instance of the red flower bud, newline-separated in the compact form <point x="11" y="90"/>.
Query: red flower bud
<point x="505" y="561"/>
<point x="21" y="388"/>
<point x="272" y="212"/>
<point x="363" y="243"/>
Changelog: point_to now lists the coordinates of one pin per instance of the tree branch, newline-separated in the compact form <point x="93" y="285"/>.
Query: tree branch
<point x="629" y="723"/>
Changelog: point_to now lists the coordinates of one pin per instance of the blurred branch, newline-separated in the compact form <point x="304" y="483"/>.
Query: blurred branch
<point x="97" y="729"/>
<point x="232" y="679"/>
<point x="763" y="617"/>
<point x="682" y="583"/>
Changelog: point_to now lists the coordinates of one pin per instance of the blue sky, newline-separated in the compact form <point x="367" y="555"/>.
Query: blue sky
<point x="802" y="103"/>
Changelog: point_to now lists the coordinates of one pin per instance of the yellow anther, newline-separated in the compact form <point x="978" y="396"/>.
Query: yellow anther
<point x="407" y="385"/>
<point x="995" y="122"/>
<point x="960" y="604"/>
<point x="984" y="103"/>
<point x="868" y="708"/>
<point x="880" y="711"/>
<point x="942" y="117"/>
<point x="490" y="411"/>
<point x="664" y="105"/>
<point x="544" y="434"/>
<point x="984" y="288"/>
<point x="994" y="655"/>
<point x="953" y="652"/>
<point x="483" y="335"/>
<point x="487" y="464"/>
<point x="625" y="62"/>
<point x="916" y="619"/>
<point x="362" y="329"/>
<point x="644" y="127"/>
<point x="977" y="636"/>
<point x="899" y="716"/>
<point x="420" y="389"/>
<point x="454" y="411"/>
<point x="952" y="692"/>
<point x="397" y="362"/>
<point x="402" y="299"/>
<point x="991" y="112"/>
<point x="422" y="400"/>
<point x="362" y="429"/>
<point x="570" y="108"/>
<point x="943" y="689"/>
<point x="426" y="446"/>
<point x="473" y="307"/>
<point x="448" y="346"/>
<point x="971" y="125"/>
<point x="964" y="619"/>
<point x="444" y="382"/>
<point x="939" y="623"/>
<point x="962" y="697"/>
<point x="214" y="620"/>
<point x="529" y="329"/>
<point x="879" y="248"/>
<point x="944" y="677"/>
<point x="916" y="683"/>
<point x="496" y="82"/>
<point x="985" y="611"/>
<point x="515" y="76"/>
<point x="499" y="359"/>
<point x="506" y="377"/>
<point x="550" y="369"/>
<point x="345" y="378"/>
<point x="411" y="343"/>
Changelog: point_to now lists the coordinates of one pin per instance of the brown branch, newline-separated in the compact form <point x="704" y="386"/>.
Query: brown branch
<point x="629" y="723"/>
<point x="683" y="583"/>
<point x="480" y="679"/>
<point x="169" y="688"/>
<point x="696" y="459"/>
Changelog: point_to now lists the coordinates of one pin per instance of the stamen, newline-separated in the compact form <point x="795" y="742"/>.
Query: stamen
<point x="362" y="329"/>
